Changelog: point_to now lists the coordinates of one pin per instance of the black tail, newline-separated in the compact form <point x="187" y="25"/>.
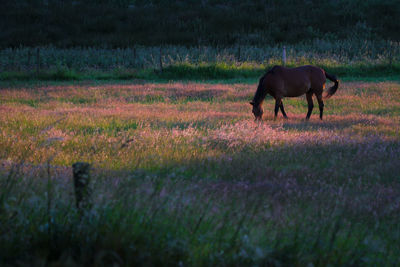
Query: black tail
<point x="331" y="90"/>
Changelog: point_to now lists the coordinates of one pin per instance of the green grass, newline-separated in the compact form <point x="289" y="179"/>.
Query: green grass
<point x="182" y="175"/>
<point x="203" y="72"/>
<point x="352" y="58"/>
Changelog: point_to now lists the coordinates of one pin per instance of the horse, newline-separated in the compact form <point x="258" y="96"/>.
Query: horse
<point x="282" y="82"/>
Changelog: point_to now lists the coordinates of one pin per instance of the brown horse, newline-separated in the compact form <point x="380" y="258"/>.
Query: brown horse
<point x="282" y="82"/>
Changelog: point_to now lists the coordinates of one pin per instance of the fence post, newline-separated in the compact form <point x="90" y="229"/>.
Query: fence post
<point x="37" y="60"/>
<point x="81" y="175"/>
<point x="161" y="64"/>
<point x="390" y="54"/>
<point x="238" y="54"/>
<point x="134" y="56"/>
<point x="28" y="65"/>
<point x="284" y="56"/>
<point x="13" y="53"/>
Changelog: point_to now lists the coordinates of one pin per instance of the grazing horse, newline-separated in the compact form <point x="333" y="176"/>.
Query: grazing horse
<point x="282" y="82"/>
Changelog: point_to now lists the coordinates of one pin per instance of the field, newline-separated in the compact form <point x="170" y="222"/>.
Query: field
<point x="182" y="175"/>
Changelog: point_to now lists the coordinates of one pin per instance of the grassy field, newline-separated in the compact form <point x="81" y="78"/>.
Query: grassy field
<point x="182" y="175"/>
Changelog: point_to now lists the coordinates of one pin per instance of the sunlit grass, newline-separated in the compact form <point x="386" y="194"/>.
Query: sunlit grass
<point x="182" y="173"/>
<point x="85" y="120"/>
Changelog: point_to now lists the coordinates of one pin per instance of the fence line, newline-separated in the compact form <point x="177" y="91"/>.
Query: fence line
<point x="160" y="57"/>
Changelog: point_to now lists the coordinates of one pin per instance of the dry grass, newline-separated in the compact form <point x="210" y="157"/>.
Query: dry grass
<point x="265" y="193"/>
<point x="71" y="121"/>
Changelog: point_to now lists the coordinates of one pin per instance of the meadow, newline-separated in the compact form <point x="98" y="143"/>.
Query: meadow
<point x="182" y="175"/>
<point x="155" y="96"/>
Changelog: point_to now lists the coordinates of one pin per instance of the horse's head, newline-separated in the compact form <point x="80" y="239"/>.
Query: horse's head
<point x="257" y="111"/>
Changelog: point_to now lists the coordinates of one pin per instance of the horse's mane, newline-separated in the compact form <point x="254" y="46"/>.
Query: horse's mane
<point x="261" y="92"/>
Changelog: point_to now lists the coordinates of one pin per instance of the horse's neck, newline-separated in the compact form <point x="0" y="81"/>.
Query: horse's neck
<point x="259" y="102"/>
<point x="261" y="92"/>
<point x="260" y="96"/>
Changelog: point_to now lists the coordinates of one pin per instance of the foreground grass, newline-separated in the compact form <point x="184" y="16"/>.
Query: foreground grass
<point x="182" y="175"/>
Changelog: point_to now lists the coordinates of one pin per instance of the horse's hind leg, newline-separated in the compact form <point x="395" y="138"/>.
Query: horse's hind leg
<point x="278" y="103"/>
<point x="321" y="105"/>
<point x="283" y="110"/>
<point x="310" y="104"/>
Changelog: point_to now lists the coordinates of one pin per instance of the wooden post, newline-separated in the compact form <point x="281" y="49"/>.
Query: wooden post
<point x="161" y="65"/>
<point x="134" y="56"/>
<point x="238" y="54"/>
<point x="13" y="58"/>
<point x="28" y="65"/>
<point x="284" y="56"/>
<point x="37" y="60"/>
<point x="81" y="172"/>
<point x="390" y="54"/>
<point x="18" y="60"/>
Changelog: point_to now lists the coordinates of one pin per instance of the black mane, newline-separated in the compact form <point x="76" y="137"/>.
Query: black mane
<point x="261" y="92"/>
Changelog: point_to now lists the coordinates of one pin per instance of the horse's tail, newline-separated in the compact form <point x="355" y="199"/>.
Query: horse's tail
<point x="331" y="90"/>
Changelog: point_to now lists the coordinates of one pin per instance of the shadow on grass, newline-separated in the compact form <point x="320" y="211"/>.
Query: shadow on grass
<point x="328" y="123"/>
<point x="284" y="205"/>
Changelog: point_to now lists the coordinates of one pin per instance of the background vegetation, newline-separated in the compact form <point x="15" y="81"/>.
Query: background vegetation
<point x="344" y="58"/>
<point x="209" y="39"/>
<point x="125" y="23"/>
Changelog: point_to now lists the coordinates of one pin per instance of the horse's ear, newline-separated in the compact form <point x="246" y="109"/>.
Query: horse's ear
<point x="251" y="103"/>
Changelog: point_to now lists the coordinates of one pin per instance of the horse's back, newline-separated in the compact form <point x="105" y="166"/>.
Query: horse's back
<point x="294" y="82"/>
<point x="308" y="71"/>
<point x="317" y="77"/>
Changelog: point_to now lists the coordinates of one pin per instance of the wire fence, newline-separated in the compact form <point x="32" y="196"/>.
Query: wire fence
<point x="141" y="57"/>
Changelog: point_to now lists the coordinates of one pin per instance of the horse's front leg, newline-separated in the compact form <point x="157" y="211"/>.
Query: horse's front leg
<point x="321" y="105"/>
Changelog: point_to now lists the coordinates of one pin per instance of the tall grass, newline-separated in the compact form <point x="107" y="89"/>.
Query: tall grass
<point x="345" y="57"/>
<point x="183" y="176"/>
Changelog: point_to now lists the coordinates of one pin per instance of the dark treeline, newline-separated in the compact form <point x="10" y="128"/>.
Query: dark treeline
<point x="122" y="23"/>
